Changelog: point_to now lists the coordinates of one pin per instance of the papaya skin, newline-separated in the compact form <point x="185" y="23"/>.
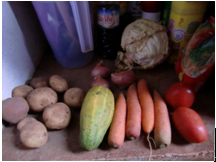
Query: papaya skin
<point x="96" y="116"/>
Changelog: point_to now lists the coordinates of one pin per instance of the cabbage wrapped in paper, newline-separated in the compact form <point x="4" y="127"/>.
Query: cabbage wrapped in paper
<point x="145" y="43"/>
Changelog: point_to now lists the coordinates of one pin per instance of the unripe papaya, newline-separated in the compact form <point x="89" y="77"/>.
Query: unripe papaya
<point x="96" y="116"/>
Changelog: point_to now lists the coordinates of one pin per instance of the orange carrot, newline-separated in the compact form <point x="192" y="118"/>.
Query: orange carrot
<point x="117" y="129"/>
<point x="133" y="122"/>
<point x="162" y="128"/>
<point x="147" y="107"/>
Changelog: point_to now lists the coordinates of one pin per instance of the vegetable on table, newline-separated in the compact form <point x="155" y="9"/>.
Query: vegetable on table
<point x="14" y="109"/>
<point x="145" y="45"/>
<point x="96" y="116"/>
<point x="180" y="94"/>
<point x="74" y="97"/>
<point x="100" y="81"/>
<point x="117" y="129"/>
<point x="39" y="82"/>
<point x="56" y="116"/>
<point x="123" y="78"/>
<point x="147" y="107"/>
<point x="58" y="83"/>
<point x="100" y="69"/>
<point x="133" y="121"/>
<point x="21" y="91"/>
<point x="162" y="128"/>
<point x="33" y="134"/>
<point x="190" y="125"/>
<point x="40" y="98"/>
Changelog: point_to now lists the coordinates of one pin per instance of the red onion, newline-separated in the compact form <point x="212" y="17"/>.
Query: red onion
<point x="101" y="70"/>
<point x="123" y="78"/>
<point x="100" y="81"/>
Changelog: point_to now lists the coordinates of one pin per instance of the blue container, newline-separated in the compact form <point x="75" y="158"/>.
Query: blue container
<point x="68" y="29"/>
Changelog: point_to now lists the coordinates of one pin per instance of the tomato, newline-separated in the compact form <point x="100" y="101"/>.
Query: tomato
<point x="190" y="125"/>
<point x="180" y="95"/>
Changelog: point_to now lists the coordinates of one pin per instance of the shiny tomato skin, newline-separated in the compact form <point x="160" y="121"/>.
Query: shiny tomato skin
<point x="180" y="94"/>
<point x="190" y="125"/>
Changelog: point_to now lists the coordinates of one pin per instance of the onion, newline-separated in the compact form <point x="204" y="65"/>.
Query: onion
<point x="101" y="70"/>
<point x="123" y="78"/>
<point x="100" y="81"/>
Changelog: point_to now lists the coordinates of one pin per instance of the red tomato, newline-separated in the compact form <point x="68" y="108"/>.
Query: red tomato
<point x="180" y="95"/>
<point x="190" y="125"/>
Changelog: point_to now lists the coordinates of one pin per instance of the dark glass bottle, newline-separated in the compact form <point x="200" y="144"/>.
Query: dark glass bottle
<point x="109" y="35"/>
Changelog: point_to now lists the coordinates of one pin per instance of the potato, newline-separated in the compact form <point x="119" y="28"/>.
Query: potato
<point x="57" y="116"/>
<point x="39" y="82"/>
<point x="21" y="91"/>
<point x="33" y="134"/>
<point x="58" y="83"/>
<point x="74" y="97"/>
<point x="14" y="109"/>
<point x="40" y="98"/>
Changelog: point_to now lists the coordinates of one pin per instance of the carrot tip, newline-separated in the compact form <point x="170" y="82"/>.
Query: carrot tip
<point x="163" y="145"/>
<point x="115" y="146"/>
<point x="132" y="138"/>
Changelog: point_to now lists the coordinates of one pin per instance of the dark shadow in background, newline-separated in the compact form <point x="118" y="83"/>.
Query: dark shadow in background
<point x="35" y="39"/>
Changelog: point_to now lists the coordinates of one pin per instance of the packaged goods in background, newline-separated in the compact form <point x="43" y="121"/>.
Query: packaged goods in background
<point x="166" y="13"/>
<point x="134" y="8"/>
<point x="108" y="32"/>
<point x="152" y="10"/>
<point x="125" y="16"/>
<point x="197" y="61"/>
<point x="123" y="7"/>
<point x="185" y="17"/>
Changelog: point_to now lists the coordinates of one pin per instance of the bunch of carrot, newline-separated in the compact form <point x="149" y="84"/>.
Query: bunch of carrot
<point x="140" y="109"/>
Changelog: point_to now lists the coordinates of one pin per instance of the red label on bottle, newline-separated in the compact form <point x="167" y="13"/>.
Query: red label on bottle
<point x="108" y="18"/>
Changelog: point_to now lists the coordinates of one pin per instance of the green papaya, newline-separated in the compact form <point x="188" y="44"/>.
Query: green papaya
<point x="96" y="116"/>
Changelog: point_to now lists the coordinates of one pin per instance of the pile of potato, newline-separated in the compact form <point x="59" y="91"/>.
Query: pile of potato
<point x="41" y="96"/>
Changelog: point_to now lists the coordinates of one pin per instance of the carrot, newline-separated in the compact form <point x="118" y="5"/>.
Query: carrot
<point x="133" y="122"/>
<point x="162" y="128"/>
<point x="117" y="129"/>
<point x="147" y="107"/>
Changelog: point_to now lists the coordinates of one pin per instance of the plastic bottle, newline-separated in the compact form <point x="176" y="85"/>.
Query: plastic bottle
<point x="152" y="10"/>
<point x="68" y="29"/>
<point x="109" y="36"/>
<point x="185" y="17"/>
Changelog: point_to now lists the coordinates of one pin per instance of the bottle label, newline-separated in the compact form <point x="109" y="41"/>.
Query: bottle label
<point x="108" y="18"/>
<point x="155" y="16"/>
<point x="134" y="7"/>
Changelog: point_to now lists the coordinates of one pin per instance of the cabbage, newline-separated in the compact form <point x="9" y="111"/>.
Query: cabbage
<point x="145" y="43"/>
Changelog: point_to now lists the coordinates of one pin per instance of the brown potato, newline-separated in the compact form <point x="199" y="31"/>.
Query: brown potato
<point x="74" y="97"/>
<point x="33" y="134"/>
<point x="39" y="82"/>
<point x="58" y="83"/>
<point x="21" y="91"/>
<point x="40" y="98"/>
<point x="57" y="116"/>
<point x="14" y="109"/>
